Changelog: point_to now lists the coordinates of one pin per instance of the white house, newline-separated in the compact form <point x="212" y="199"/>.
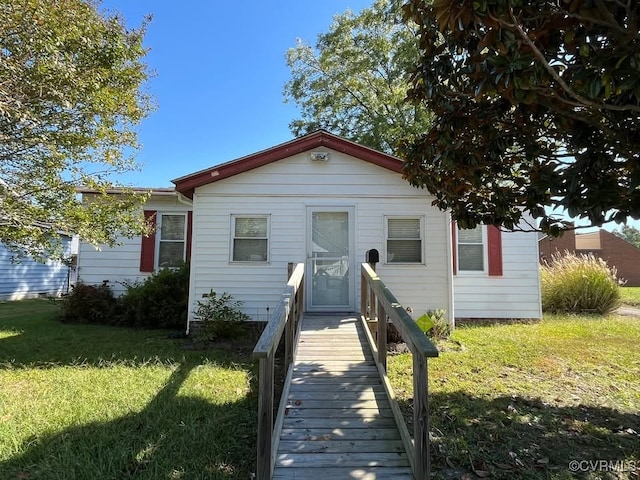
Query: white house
<point x="137" y="258"/>
<point x="325" y="201"/>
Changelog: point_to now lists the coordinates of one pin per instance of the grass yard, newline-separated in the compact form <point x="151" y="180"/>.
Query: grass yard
<point x="630" y="296"/>
<point x="523" y="401"/>
<point x="507" y="401"/>
<point x="93" y="402"/>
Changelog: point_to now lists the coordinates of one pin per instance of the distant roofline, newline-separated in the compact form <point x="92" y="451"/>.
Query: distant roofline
<point x="168" y="191"/>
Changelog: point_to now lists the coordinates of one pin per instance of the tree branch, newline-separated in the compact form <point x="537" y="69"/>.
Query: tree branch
<point x="567" y="89"/>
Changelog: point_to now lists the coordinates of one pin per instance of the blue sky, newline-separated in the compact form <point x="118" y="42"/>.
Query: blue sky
<point x="219" y="74"/>
<point x="219" y="71"/>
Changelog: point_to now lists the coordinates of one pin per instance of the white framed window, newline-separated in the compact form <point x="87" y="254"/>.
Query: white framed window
<point x="250" y="238"/>
<point x="472" y="254"/>
<point x="404" y="239"/>
<point x="171" y="239"/>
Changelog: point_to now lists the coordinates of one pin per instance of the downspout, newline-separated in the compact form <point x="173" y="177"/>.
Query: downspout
<point x="449" y="240"/>
<point x="187" y="201"/>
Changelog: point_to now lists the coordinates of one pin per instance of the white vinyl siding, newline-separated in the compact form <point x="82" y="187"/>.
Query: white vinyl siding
<point x="404" y="240"/>
<point x="250" y="240"/>
<point x="120" y="264"/>
<point x="514" y="294"/>
<point x="286" y="189"/>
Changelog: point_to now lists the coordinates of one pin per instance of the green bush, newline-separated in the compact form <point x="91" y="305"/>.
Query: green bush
<point x="221" y="317"/>
<point x="88" y="304"/>
<point x="578" y="284"/>
<point x="434" y="324"/>
<point x="161" y="301"/>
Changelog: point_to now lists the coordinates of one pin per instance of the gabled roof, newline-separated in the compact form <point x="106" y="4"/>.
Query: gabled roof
<point x="321" y="138"/>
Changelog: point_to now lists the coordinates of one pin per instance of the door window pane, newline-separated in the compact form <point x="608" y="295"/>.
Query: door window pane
<point x="330" y="234"/>
<point x="330" y="282"/>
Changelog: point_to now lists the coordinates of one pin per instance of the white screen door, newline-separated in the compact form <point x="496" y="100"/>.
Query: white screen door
<point x="329" y="270"/>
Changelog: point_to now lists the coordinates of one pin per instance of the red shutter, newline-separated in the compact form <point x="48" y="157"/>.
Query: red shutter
<point x="147" y="254"/>
<point x="454" y="246"/>
<point x="494" y="239"/>
<point x="189" y="234"/>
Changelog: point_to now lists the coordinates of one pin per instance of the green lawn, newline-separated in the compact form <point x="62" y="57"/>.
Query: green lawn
<point x="630" y="296"/>
<point x="523" y="401"/>
<point x="509" y="401"/>
<point x="94" y="402"/>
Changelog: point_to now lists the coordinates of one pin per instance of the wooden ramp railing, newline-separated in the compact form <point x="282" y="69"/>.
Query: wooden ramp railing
<point x="338" y="417"/>
<point x="285" y="318"/>
<point x="378" y="303"/>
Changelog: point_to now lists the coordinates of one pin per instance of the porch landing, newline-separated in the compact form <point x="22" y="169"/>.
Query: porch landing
<point x="338" y="421"/>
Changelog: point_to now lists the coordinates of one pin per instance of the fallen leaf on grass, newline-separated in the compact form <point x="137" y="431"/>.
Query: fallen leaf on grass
<point x="518" y="462"/>
<point x="482" y="473"/>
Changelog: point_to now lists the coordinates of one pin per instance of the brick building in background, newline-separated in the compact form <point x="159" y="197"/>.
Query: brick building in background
<point x="614" y="250"/>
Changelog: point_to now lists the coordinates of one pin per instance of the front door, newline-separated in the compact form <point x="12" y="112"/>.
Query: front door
<point x="330" y="273"/>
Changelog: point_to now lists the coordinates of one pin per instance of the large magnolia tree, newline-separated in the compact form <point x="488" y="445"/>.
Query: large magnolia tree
<point x="71" y="93"/>
<point x="537" y="109"/>
<point x="354" y="82"/>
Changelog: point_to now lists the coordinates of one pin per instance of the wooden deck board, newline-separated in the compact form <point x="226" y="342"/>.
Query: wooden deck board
<point x="338" y="421"/>
<point x="340" y="434"/>
<point x="344" y="473"/>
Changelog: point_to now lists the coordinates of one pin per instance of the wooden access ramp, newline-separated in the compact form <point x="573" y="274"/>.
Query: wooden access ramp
<point x="338" y="422"/>
<point x="337" y="416"/>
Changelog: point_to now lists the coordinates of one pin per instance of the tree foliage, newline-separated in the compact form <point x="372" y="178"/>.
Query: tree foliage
<point x="537" y="109"/>
<point x="354" y="82"/>
<point x="71" y="93"/>
<point x="630" y="234"/>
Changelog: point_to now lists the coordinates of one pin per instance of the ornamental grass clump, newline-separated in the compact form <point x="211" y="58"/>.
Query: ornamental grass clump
<point x="579" y="284"/>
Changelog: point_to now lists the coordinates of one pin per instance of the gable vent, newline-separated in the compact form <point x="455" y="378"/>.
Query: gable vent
<point x="319" y="156"/>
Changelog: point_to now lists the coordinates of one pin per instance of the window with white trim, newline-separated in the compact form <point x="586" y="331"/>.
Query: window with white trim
<point x="471" y="251"/>
<point x="250" y="238"/>
<point x="172" y="229"/>
<point x="404" y="239"/>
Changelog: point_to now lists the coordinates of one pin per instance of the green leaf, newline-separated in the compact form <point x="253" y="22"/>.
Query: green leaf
<point x="584" y="50"/>
<point x="76" y="80"/>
